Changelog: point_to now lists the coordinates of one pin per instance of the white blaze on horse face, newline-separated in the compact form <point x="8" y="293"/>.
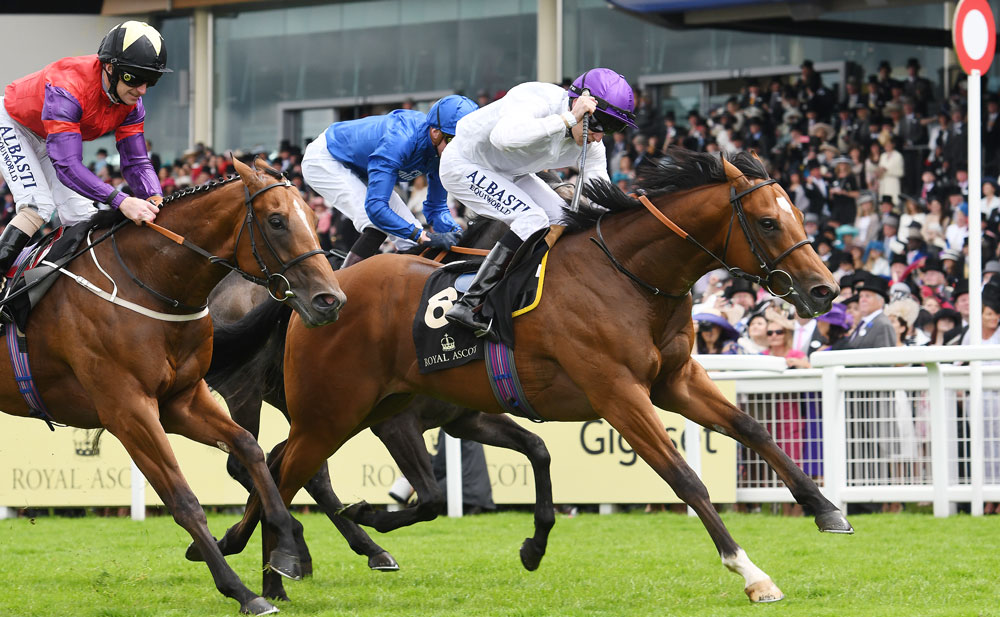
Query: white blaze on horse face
<point x="301" y="211"/>
<point x="784" y="205"/>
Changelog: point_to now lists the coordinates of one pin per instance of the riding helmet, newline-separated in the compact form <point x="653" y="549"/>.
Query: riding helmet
<point x="615" y="99"/>
<point x="445" y="114"/>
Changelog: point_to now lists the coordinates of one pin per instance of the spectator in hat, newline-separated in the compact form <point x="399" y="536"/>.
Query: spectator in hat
<point x="991" y="131"/>
<point x="871" y="98"/>
<point x="990" y="271"/>
<point x="741" y="296"/>
<point x="890" y="172"/>
<point x="844" y="192"/>
<point x="810" y="221"/>
<point x="918" y="88"/>
<point x="715" y="334"/>
<point x="885" y="82"/>
<point x="890" y="227"/>
<point x="946" y="321"/>
<point x="902" y="313"/>
<point x="874" y="329"/>
<point x="875" y="260"/>
<point x="960" y="301"/>
<point x="754" y="340"/>
<point x="845" y="236"/>
<point x="953" y="264"/>
<point x="852" y="94"/>
<point x="958" y="231"/>
<point x="916" y="248"/>
<point x="932" y="275"/>
<point x="816" y="187"/>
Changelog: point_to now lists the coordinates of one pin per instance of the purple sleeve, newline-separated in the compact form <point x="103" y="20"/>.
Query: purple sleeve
<point x="136" y="168"/>
<point x="66" y="152"/>
<point x="61" y="114"/>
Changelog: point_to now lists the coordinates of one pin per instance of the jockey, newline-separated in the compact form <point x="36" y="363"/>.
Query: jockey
<point x="45" y="117"/>
<point x="497" y="151"/>
<point x="377" y="151"/>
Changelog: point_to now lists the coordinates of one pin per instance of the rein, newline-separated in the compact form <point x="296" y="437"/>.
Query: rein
<point x="771" y="272"/>
<point x="250" y="223"/>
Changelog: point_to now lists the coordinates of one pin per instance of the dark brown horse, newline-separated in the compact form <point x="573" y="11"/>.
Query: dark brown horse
<point x="135" y="366"/>
<point x="246" y="378"/>
<point x="611" y="338"/>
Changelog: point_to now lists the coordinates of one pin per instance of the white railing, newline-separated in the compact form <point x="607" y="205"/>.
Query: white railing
<point x="876" y="433"/>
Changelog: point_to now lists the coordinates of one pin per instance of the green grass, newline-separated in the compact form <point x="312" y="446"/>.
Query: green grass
<point x="625" y="564"/>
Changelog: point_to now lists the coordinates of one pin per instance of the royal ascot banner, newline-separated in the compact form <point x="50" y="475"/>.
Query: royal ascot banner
<point x="591" y="463"/>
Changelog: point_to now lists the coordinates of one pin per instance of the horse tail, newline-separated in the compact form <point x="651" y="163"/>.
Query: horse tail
<point x="235" y="346"/>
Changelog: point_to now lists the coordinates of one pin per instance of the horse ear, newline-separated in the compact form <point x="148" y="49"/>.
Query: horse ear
<point x="261" y="164"/>
<point x="732" y="172"/>
<point x="249" y="176"/>
<point x="753" y="153"/>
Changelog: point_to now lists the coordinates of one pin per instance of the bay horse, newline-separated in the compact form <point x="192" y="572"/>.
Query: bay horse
<point x="245" y="378"/>
<point x="132" y="361"/>
<point x="611" y="338"/>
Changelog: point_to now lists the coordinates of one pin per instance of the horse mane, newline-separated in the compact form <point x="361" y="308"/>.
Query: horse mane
<point x="110" y="218"/>
<point x="678" y="170"/>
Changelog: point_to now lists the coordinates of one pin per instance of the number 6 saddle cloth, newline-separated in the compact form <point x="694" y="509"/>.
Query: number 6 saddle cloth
<point x="441" y="344"/>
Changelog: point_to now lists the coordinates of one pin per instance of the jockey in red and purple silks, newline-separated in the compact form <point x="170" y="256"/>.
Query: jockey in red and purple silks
<point x="46" y="116"/>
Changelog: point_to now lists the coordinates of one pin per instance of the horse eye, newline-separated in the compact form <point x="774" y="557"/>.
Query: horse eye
<point x="276" y="221"/>
<point x="768" y="224"/>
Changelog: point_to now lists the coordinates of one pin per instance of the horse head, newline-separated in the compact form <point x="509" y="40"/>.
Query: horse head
<point x="278" y="243"/>
<point x="778" y="250"/>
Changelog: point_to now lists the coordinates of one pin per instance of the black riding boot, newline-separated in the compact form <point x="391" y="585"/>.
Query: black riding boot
<point x="12" y="242"/>
<point x="364" y="247"/>
<point x="466" y="312"/>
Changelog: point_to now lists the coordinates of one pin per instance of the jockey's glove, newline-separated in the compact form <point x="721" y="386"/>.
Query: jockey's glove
<point x="445" y="240"/>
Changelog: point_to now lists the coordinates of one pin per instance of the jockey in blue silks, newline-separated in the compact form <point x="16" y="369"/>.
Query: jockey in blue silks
<point x="355" y="165"/>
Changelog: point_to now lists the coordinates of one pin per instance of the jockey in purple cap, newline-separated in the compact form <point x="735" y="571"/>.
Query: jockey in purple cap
<point x="498" y="149"/>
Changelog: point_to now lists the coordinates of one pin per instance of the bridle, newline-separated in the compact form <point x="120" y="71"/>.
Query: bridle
<point x="272" y="281"/>
<point x="772" y="274"/>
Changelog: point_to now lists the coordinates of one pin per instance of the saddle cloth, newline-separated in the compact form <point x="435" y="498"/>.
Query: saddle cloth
<point x="442" y="345"/>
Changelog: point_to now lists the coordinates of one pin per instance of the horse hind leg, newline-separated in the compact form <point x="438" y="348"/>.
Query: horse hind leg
<point x="633" y="415"/>
<point x="503" y="432"/>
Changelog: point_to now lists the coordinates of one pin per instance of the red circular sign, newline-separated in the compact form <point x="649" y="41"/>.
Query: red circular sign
<point x="974" y="35"/>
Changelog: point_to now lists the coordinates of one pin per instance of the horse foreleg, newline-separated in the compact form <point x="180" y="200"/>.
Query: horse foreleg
<point x="503" y="432"/>
<point x="146" y="442"/>
<point x="631" y="413"/>
<point x="202" y="419"/>
<point x="693" y="395"/>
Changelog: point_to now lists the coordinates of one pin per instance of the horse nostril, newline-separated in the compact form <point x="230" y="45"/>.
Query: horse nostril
<point x="328" y="302"/>
<point x="823" y="292"/>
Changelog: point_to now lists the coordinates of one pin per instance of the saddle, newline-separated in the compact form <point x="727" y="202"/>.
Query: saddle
<point x="442" y="345"/>
<point x="32" y="269"/>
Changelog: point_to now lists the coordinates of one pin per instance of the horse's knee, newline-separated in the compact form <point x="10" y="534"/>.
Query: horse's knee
<point x="538" y="452"/>
<point x="246" y="448"/>
<point x="686" y="484"/>
<point x="749" y="431"/>
<point x="186" y="510"/>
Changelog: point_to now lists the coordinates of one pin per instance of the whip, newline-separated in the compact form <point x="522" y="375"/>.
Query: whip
<point x="575" y="205"/>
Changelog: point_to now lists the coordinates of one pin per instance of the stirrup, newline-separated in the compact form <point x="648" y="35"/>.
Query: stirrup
<point x="486" y="332"/>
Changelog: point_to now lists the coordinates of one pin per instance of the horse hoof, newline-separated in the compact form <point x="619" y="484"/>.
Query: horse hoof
<point x="353" y="511"/>
<point x="531" y="556"/>
<point x="833" y="522"/>
<point x="286" y="565"/>
<point x="258" y="606"/>
<point x="383" y="562"/>
<point x="193" y="553"/>
<point x="764" y="591"/>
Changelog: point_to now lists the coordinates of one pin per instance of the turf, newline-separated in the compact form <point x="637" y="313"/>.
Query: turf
<point x="623" y="564"/>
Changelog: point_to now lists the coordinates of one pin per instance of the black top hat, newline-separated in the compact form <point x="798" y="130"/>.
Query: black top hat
<point x="991" y="296"/>
<point x="806" y="64"/>
<point x="873" y="79"/>
<point x="913" y="63"/>
<point x="887" y="199"/>
<point x="961" y="288"/>
<point x="876" y="284"/>
<point x="884" y="64"/>
<point x="947" y="313"/>
<point x="898" y="258"/>
<point x="933" y="264"/>
<point x="740" y="286"/>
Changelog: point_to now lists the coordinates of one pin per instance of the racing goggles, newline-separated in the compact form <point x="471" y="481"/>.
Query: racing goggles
<point x="604" y="123"/>
<point x="135" y="78"/>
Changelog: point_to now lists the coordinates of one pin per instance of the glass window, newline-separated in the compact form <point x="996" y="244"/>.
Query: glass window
<point x="355" y="50"/>
<point x="168" y="106"/>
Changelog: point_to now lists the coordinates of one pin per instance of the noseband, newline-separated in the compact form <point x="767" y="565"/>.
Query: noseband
<point x="772" y="273"/>
<point x="271" y="279"/>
